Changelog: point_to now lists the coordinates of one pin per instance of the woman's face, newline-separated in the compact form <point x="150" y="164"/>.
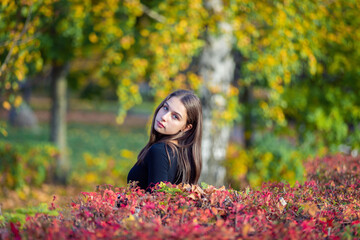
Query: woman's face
<point x="171" y="117"/>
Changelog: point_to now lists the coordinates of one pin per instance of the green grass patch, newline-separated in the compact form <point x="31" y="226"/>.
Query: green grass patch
<point x="19" y="215"/>
<point x="103" y="139"/>
<point x="102" y="143"/>
<point x="89" y="138"/>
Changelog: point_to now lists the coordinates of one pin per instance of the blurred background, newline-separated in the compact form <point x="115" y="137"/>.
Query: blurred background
<point x="279" y="82"/>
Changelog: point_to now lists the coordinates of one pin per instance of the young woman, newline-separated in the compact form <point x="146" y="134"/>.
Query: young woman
<point x="173" y="153"/>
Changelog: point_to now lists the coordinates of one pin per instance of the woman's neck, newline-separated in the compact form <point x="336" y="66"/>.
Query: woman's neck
<point x="174" y="142"/>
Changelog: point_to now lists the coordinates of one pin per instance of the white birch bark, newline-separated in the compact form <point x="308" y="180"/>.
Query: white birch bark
<point x="217" y="69"/>
<point x="58" y="124"/>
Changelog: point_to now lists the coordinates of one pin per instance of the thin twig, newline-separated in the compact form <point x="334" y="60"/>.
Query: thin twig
<point x="18" y="42"/>
<point x="154" y="15"/>
<point x="236" y="219"/>
<point x="182" y="217"/>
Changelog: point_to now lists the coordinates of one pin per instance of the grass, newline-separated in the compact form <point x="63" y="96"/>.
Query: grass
<point x="97" y="140"/>
<point x="90" y="138"/>
<point x="109" y="140"/>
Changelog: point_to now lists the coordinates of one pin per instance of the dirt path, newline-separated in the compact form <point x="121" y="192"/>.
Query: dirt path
<point x="81" y="111"/>
<point x="131" y="120"/>
<point x="89" y="117"/>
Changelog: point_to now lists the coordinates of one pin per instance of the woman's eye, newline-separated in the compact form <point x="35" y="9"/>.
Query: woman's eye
<point x="175" y="116"/>
<point x="165" y="108"/>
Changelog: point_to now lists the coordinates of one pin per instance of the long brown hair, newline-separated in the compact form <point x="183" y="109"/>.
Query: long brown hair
<point x="188" y="148"/>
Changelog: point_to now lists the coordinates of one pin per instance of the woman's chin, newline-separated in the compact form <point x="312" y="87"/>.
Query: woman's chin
<point x="159" y="130"/>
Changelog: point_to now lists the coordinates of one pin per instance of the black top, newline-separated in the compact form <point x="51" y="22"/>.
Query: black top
<point x="155" y="167"/>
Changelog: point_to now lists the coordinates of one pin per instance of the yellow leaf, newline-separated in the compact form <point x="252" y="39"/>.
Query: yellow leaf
<point x="93" y="38"/>
<point x="126" y="82"/>
<point x="214" y="210"/>
<point x="127" y="153"/>
<point x="19" y="75"/>
<point x="192" y="196"/>
<point x="9" y="179"/>
<point x="5" y="2"/>
<point x="280" y="207"/>
<point x="6" y="105"/>
<point x="91" y="177"/>
<point x="21" y="194"/>
<point x="127" y="41"/>
<point x="129" y="219"/>
<point x="246" y="229"/>
<point x="311" y="209"/>
<point x="144" y="32"/>
<point x="18" y="101"/>
<point x="120" y="119"/>
<point x="3" y="132"/>
<point x="134" y="89"/>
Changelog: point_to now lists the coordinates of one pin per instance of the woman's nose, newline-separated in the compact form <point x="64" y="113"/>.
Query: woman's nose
<point x="164" y="117"/>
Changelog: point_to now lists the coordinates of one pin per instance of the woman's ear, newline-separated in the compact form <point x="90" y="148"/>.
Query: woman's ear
<point x="188" y="127"/>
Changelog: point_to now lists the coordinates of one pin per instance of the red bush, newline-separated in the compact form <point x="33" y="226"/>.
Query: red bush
<point x="326" y="206"/>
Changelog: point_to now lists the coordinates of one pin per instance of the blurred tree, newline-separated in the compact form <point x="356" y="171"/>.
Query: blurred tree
<point x="42" y="40"/>
<point x="216" y="67"/>
<point x="300" y="62"/>
<point x="61" y="35"/>
<point x="18" y="48"/>
<point x="296" y="59"/>
<point x="324" y="100"/>
<point x="53" y="33"/>
<point x="306" y="55"/>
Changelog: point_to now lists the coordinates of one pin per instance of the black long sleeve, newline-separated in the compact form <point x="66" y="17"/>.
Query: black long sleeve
<point x="155" y="167"/>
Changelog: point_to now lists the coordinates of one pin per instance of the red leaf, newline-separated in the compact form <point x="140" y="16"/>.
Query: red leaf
<point x="15" y="231"/>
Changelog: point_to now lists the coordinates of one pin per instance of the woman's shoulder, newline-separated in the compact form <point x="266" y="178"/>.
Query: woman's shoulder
<point x="160" y="148"/>
<point x="162" y="145"/>
<point x="157" y="149"/>
<point x="158" y="145"/>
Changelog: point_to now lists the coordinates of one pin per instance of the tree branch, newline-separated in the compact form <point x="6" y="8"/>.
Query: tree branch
<point x="152" y="14"/>
<point x="7" y="58"/>
<point x="18" y="42"/>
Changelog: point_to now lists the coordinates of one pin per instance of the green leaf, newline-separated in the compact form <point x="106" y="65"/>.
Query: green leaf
<point x="204" y="185"/>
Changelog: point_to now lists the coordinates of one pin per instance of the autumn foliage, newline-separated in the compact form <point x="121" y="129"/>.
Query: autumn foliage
<point x="326" y="206"/>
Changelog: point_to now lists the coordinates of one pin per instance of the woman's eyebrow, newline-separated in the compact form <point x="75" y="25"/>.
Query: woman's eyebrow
<point x="173" y="110"/>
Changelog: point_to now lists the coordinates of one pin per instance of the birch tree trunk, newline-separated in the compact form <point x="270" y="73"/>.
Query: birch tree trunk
<point x="58" y="94"/>
<point x="217" y="69"/>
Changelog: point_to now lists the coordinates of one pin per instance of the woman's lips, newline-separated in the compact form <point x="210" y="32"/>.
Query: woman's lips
<point x="160" y="125"/>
